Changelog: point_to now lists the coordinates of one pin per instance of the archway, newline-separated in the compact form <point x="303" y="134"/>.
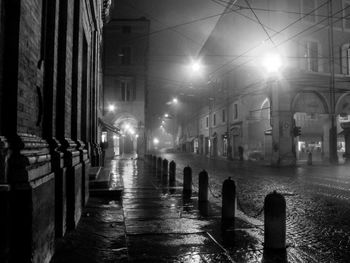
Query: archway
<point x="259" y="143"/>
<point x="312" y="119"/>
<point x="127" y="142"/>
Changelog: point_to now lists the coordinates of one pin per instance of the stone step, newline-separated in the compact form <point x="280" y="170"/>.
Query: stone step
<point x="107" y="193"/>
<point x="105" y="185"/>
<point x="94" y="172"/>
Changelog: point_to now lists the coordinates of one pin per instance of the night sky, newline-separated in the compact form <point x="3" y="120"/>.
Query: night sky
<point x="172" y="45"/>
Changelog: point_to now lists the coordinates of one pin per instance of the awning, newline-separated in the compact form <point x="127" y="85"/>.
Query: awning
<point x="108" y="127"/>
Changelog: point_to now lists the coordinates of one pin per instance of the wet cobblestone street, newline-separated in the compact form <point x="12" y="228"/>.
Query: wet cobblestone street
<point x="317" y="199"/>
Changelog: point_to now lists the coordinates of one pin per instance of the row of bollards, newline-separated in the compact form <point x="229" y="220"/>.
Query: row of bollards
<point x="274" y="203"/>
<point x="162" y="168"/>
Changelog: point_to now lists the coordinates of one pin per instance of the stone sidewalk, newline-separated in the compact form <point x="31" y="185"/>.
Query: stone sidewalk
<point x="154" y="223"/>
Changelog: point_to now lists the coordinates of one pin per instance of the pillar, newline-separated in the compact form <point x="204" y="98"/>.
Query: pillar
<point x="282" y="126"/>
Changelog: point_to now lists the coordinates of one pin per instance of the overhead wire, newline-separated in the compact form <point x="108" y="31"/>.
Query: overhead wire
<point x="288" y="39"/>
<point x="261" y="24"/>
<point x="259" y="44"/>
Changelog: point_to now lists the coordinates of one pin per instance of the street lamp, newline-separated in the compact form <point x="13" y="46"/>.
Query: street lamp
<point x="196" y="66"/>
<point x="175" y="101"/>
<point x="111" y="107"/>
<point x="272" y="62"/>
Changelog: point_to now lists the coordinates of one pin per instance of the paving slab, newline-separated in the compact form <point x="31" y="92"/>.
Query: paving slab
<point x="99" y="237"/>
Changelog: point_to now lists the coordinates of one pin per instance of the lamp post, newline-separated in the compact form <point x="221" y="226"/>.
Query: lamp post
<point x="281" y="118"/>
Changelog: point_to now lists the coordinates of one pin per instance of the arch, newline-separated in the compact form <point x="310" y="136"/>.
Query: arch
<point x="309" y="102"/>
<point x="265" y="109"/>
<point x="342" y="106"/>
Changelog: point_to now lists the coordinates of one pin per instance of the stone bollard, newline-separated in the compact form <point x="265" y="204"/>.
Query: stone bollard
<point x="165" y="169"/>
<point x="159" y="166"/>
<point x="203" y="186"/>
<point x="172" y="173"/>
<point x="154" y="164"/>
<point x="187" y="190"/>
<point x="309" y="158"/>
<point x="228" y="208"/>
<point x="275" y="222"/>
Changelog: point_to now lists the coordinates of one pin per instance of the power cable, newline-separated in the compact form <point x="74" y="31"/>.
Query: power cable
<point x="285" y="41"/>
<point x="179" y="25"/>
<point x="258" y="45"/>
<point x="261" y="24"/>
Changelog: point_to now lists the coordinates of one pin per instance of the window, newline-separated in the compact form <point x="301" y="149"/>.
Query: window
<point x="207" y="121"/>
<point x="126" y="55"/>
<point x="348" y="61"/>
<point x="311" y="55"/>
<point x="235" y="111"/>
<point x="223" y="115"/>
<point x="347" y="15"/>
<point x="127" y="91"/>
<point x="307" y="7"/>
<point x="126" y="29"/>
<point x="345" y="59"/>
<point x="214" y="119"/>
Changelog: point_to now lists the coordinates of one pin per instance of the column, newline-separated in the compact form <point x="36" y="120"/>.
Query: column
<point x="283" y="152"/>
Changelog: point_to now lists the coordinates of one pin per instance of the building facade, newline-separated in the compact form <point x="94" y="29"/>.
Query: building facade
<point x="252" y="113"/>
<point x="125" y="56"/>
<point x="49" y="97"/>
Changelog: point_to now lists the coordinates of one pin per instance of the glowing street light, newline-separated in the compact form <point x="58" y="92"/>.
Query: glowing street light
<point x="166" y="115"/>
<point x="196" y="66"/>
<point x="175" y="101"/>
<point x="155" y="141"/>
<point x="111" y="107"/>
<point x="272" y="62"/>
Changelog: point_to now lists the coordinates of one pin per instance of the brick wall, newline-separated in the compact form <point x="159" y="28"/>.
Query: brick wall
<point x="29" y="76"/>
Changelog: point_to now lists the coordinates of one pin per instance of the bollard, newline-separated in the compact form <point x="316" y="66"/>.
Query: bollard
<point x="159" y="166"/>
<point x="172" y="173"/>
<point x="228" y="208"/>
<point x="165" y="169"/>
<point x="309" y="158"/>
<point x="154" y="165"/>
<point x="150" y="158"/>
<point x="187" y="190"/>
<point x="203" y="186"/>
<point x="275" y="221"/>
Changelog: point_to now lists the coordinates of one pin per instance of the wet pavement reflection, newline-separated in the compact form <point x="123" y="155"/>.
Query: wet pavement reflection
<point x="164" y="226"/>
<point x="317" y="197"/>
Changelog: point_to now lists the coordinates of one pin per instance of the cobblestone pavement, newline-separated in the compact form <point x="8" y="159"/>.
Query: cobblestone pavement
<point x="318" y="200"/>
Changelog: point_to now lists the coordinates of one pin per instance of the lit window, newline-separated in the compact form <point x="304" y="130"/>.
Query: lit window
<point x="104" y="137"/>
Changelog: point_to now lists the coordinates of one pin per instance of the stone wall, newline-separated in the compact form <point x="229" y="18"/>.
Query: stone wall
<point x="48" y="59"/>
